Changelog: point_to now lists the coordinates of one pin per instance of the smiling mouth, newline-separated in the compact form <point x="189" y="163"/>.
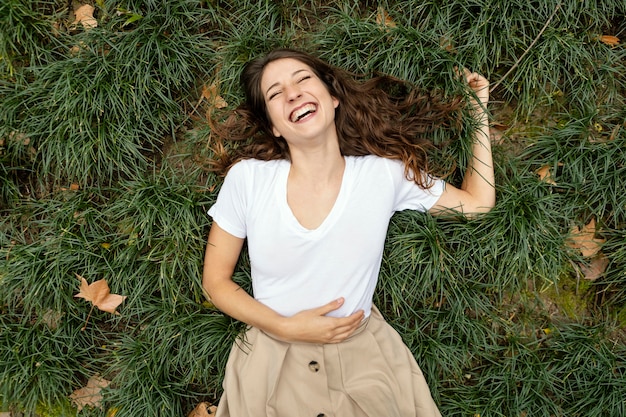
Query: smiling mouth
<point x="302" y="112"/>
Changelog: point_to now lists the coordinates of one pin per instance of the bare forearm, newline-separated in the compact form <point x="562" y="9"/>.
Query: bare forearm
<point x="234" y="301"/>
<point x="479" y="177"/>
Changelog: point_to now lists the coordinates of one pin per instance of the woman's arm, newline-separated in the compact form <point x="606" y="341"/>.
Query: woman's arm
<point x="311" y="326"/>
<point x="477" y="193"/>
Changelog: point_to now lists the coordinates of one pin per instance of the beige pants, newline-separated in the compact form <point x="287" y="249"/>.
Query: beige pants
<point x="372" y="374"/>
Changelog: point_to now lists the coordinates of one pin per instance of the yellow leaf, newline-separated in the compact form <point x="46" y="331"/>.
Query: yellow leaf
<point x="105" y="245"/>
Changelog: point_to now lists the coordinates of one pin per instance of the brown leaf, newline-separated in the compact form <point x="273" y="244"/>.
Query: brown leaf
<point x="83" y="14"/>
<point x="596" y="267"/>
<point x="89" y="395"/>
<point x="545" y="175"/>
<point x="584" y="239"/>
<point x="383" y="19"/>
<point x="609" y="40"/>
<point x="203" y="410"/>
<point x="447" y="43"/>
<point x="100" y="295"/>
<point x="210" y="93"/>
<point x="52" y="318"/>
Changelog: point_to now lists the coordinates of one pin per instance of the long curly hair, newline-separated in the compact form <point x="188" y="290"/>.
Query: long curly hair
<point x="381" y="116"/>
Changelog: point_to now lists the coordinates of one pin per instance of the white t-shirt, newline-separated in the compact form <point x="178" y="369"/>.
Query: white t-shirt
<point x="294" y="268"/>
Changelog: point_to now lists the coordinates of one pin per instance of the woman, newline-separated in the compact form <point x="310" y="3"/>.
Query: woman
<point x="331" y="160"/>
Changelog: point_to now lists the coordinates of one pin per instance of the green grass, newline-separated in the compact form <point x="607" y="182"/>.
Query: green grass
<point x="103" y="152"/>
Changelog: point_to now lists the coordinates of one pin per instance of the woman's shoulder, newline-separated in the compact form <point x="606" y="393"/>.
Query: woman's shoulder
<point x="256" y="166"/>
<point x="374" y="162"/>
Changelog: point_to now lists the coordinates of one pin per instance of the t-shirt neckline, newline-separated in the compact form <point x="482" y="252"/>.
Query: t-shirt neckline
<point x="334" y="212"/>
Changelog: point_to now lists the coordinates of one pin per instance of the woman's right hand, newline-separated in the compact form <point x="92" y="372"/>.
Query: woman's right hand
<point x="314" y="326"/>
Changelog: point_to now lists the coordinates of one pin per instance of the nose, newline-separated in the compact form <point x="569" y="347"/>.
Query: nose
<point x="293" y="92"/>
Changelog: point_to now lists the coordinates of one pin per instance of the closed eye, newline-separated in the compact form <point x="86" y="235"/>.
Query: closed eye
<point x="274" y="94"/>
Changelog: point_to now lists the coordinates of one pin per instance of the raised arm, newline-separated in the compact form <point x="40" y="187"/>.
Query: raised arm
<point x="312" y="326"/>
<point x="477" y="192"/>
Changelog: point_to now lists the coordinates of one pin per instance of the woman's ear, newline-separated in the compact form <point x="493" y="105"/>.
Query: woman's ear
<point x="276" y="132"/>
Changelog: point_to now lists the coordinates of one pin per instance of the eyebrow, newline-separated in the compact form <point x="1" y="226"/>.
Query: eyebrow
<point x="292" y="75"/>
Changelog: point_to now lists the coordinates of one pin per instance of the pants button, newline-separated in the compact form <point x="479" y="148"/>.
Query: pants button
<point x="314" y="367"/>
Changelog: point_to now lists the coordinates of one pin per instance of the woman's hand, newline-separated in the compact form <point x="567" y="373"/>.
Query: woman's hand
<point x="479" y="85"/>
<point x="313" y="326"/>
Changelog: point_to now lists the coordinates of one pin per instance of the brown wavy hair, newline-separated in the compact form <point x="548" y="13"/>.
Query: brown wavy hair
<point x="382" y="116"/>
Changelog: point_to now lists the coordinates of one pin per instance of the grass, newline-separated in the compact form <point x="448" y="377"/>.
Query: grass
<point x="103" y="150"/>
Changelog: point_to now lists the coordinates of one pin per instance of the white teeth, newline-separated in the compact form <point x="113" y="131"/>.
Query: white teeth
<point x="302" y="111"/>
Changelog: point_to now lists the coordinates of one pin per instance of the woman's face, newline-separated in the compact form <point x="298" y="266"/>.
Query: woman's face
<point x="299" y="105"/>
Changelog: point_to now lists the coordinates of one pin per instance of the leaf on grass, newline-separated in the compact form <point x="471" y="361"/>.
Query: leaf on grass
<point x="614" y="132"/>
<point x="212" y="96"/>
<point x="584" y="239"/>
<point x="203" y="410"/>
<point x="83" y="14"/>
<point x="609" y="40"/>
<point x="73" y="187"/>
<point x="100" y="295"/>
<point x="89" y="395"/>
<point x="383" y="19"/>
<point x="446" y="43"/>
<point x="52" y="318"/>
<point x="545" y="174"/>
<point x="596" y="267"/>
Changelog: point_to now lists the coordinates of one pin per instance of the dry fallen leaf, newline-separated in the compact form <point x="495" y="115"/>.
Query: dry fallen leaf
<point x="89" y="395"/>
<point x="100" y="295"/>
<point x="83" y="14"/>
<point x="596" y="267"/>
<point x="447" y="43"/>
<point x="609" y="40"/>
<point x="211" y="95"/>
<point x="584" y="239"/>
<point x="52" y="318"/>
<point x="203" y="410"/>
<point x="383" y="19"/>
<point x="545" y="175"/>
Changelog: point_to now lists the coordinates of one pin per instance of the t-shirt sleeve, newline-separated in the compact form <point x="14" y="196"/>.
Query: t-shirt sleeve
<point x="229" y="211"/>
<point x="410" y="196"/>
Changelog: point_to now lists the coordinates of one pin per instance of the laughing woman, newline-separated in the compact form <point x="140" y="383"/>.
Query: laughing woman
<point x="327" y="161"/>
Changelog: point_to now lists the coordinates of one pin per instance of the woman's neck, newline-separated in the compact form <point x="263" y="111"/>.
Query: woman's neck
<point x="321" y="165"/>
